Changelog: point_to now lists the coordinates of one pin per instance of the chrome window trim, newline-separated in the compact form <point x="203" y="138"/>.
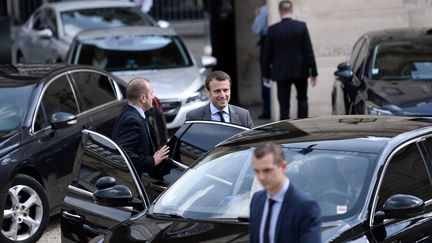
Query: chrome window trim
<point x="216" y="122"/>
<point x="42" y="93"/>
<point x="387" y="161"/>
<point x="79" y="191"/>
<point x="137" y="183"/>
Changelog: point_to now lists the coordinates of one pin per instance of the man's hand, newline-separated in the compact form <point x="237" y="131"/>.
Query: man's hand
<point x="314" y="80"/>
<point x="161" y="154"/>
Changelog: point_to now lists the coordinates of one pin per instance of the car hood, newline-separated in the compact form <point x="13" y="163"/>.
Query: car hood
<point x="175" y="83"/>
<point x="403" y="97"/>
<point x="148" y="228"/>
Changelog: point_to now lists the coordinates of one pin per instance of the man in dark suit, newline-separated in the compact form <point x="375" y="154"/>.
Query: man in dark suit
<point x="289" y="59"/>
<point x="281" y="212"/>
<point x="218" y="89"/>
<point x="131" y="130"/>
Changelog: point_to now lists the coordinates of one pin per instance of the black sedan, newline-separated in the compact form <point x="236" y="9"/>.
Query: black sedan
<point x="43" y="110"/>
<point x="388" y="73"/>
<point x="369" y="174"/>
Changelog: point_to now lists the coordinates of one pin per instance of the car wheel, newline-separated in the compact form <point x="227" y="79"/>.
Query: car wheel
<point x="25" y="213"/>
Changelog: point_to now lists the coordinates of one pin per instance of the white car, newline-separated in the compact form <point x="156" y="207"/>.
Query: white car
<point x="157" y="54"/>
<point x="49" y="31"/>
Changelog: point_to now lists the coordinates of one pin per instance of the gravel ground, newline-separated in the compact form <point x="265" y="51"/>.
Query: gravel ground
<point x="52" y="233"/>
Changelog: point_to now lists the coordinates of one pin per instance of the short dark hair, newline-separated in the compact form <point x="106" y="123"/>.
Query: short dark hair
<point x="216" y="75"/>
<point x="136" y="87"/>
<point x="285" y="6"/>
<point x="270" y="148"/>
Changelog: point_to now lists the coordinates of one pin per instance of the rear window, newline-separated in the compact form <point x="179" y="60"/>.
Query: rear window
<point x="77" y="20"/>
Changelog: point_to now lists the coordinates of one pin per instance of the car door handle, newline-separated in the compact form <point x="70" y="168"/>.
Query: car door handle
<point x="72" y="217"/>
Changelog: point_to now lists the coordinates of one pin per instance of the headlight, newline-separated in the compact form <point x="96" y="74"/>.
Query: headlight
<point x="197" y="96"/>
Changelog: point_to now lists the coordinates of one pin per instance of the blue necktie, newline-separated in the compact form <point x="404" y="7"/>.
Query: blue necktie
<point x="266" y="235"/>
<point x="221" y="116"/>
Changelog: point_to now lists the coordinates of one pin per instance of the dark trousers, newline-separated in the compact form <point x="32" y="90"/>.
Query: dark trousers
<point x="284" y="95"/>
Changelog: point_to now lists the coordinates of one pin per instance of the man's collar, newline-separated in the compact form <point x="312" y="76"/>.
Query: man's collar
<point x="214" y="110"/>
<point x="281" y="194"/>
<point x="140" y="111"/>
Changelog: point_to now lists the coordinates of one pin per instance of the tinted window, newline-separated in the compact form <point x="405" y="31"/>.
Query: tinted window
<point x="355" y="51"/>
<point x="81" y="19"/>
<point x="101" y="158"/>
<point x="57" y="97"/>
<point x="121" y="53"/>
<point x="193" y="144"/>
<point x="406" y="174"/>
<point x="14" y="102"/>
<point x="94" y="89"/>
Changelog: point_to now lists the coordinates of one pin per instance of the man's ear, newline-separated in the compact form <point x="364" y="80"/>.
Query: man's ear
<point x="207" y="92"/>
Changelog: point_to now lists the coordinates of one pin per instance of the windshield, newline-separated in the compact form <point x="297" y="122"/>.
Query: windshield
<point x="14" y="102"/>
<point x="133" y="53"/>
<point x="76" y="20"/>
<point x="403" y="61"/>
<point x="221" y="185"/>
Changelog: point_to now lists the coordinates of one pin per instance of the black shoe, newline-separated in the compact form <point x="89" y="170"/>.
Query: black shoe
<point x="264" y="116"/>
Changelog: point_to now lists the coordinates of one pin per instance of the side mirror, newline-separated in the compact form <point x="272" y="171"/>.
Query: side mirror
<point x="109" y="194"/>
<point x="163" y="23"/>
<point x="105" y="182"/>
<point x="401" y="206"/>
<point x="45" y="33"/>
<point x="344" y="72"/>
<point x="208" y="61"/>
<point x="61" y="120"/>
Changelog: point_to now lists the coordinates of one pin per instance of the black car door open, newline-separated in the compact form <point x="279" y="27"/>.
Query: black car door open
<point x="83" y="219"/>
<point x="188" y="144"/>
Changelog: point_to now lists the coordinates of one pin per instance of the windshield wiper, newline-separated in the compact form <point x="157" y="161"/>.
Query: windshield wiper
<point x="170" y="215"/>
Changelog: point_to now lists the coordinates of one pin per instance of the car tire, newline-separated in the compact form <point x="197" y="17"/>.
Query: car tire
<point x="26" y="211"/>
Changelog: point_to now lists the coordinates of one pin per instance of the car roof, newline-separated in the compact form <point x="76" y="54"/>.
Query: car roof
<point x="124" y="31"/>
<point x="26" y="72"/>
<point x="399" y="34"/>
<point x="72" y="5"/>
<point x="354" y="133"/>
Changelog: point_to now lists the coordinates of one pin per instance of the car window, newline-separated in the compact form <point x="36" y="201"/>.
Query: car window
<point x="14" y="103"/>
<point x="193" y="144"/>
<point x="94" y="89"/>
<point x="355" y="51"/>
<point x="51" y="22"/>
<point x="137" y="52"/>
<point x="57" y="97"/>
<point x="100" y="158"/>
<point x="406" y="174"/>
<point x="402" y="60"/>
<point x="38" y="20"/>
<point x="360" y="60"/>
<point x="76" y="20"/>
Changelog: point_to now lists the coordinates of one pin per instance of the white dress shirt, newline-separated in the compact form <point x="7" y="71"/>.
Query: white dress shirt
<point x="215" y="113"/>
<point x="141" y="111"/>
<point x="278" y="198"/>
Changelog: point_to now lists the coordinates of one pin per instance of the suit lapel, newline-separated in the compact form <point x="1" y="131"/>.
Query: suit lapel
<point x="234" y="117"/>
<point x="283" y="211"/>
<point x="261" y="198"/>
<point x="206" y="114"/>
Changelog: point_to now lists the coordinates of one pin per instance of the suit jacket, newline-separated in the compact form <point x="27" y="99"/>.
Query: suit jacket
<point x="238" y="115"/>
<point x="288" y="52"/>
<point x="299" y="219"/>
<point x="131" y="133"/>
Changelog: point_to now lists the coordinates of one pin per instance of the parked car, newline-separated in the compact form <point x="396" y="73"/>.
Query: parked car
<point x="389" y="155"/>
<point x="43" y="110"/>
<point x="48" y="33"/>
<point x="152" y="52"/>
<point x="388" y="73"/>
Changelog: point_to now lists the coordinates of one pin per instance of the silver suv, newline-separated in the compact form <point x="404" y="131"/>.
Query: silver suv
<point x="152" y="52"/>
